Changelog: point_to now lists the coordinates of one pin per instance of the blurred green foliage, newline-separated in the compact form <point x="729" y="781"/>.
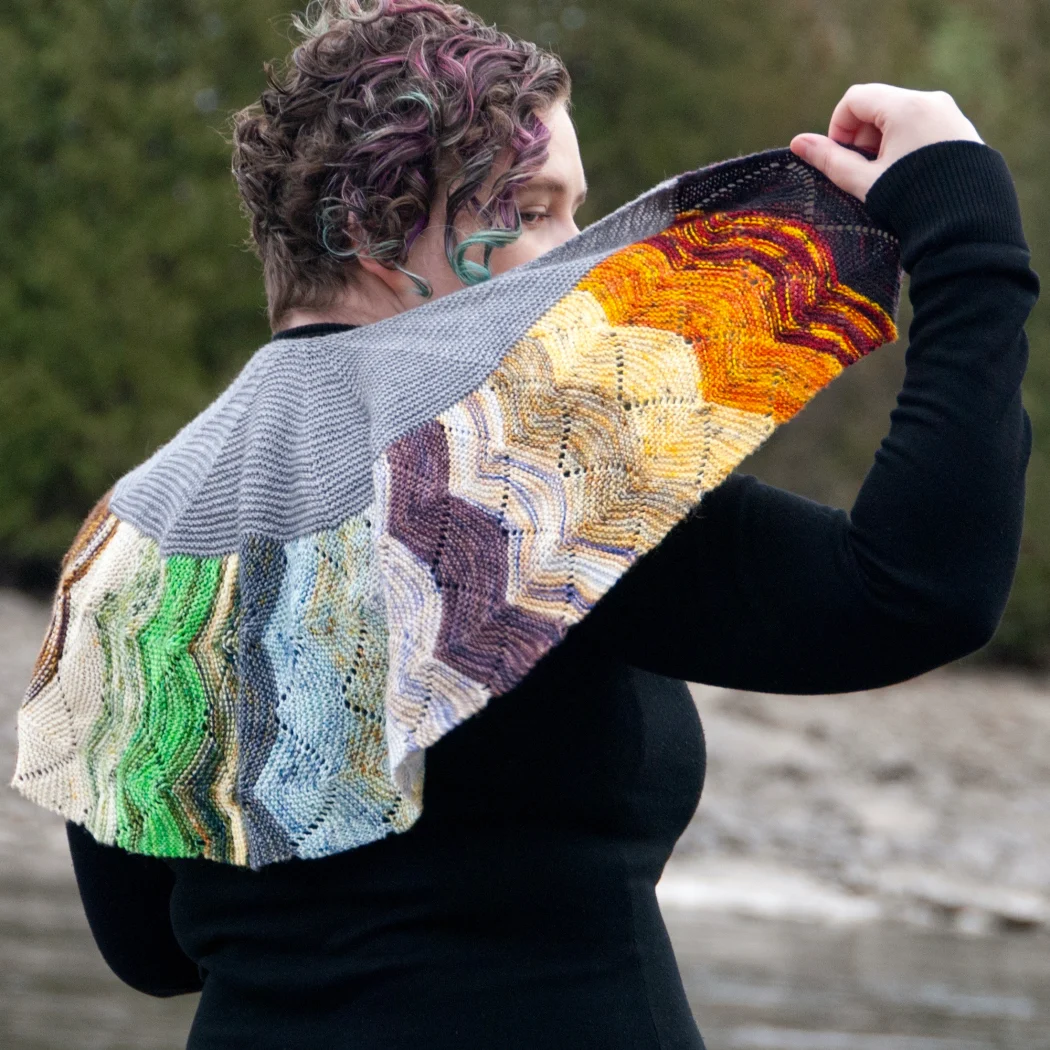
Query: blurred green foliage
<point x="128" y="297"/>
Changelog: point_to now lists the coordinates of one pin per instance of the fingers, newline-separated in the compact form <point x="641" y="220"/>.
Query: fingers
<point x="846" y="168"/>
<point x="862" y="106"/>
<point x="868" y="137"/>
<point x="886" y="120"/>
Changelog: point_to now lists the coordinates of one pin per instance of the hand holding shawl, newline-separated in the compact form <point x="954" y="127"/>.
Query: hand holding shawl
<point x="258" y="631"/>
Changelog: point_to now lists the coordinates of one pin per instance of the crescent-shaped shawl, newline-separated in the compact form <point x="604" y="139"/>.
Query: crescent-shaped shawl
<point x="259" y="630"/>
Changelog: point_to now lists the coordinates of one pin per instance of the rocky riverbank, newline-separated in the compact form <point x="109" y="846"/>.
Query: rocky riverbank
<point x="925" y="801"/>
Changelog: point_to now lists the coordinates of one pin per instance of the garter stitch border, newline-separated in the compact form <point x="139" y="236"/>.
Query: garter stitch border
<point x="259" y="630"/>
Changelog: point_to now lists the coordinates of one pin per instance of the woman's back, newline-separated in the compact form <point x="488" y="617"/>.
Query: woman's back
<point x="520" y="907"/>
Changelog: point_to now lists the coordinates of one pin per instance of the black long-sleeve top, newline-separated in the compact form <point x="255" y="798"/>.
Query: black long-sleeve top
<point x="520" y="912"/>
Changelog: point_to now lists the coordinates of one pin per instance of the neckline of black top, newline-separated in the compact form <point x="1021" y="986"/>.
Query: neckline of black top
<point x="303" y="331"/>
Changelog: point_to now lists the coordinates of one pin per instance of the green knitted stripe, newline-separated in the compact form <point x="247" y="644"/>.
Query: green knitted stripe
<point x="215" y="654"/>
<point x="172" y="726"/>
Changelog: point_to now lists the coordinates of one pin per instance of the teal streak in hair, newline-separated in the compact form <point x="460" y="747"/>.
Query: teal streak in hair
<point x="325" y="222"/>
<point x="421" y="286"/>
<point x="471" y="272"/>
<point x="340" y="253"/>
<point x="418" y="96"/>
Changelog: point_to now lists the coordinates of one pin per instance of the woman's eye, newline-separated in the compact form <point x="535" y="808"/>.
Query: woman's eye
<point x="533" y="216"/>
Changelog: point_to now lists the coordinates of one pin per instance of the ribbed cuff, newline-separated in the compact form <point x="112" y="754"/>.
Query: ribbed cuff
<point x="945" y="193"/>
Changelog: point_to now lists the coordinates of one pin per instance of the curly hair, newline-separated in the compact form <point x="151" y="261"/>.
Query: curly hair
<point x="380" y="103"/>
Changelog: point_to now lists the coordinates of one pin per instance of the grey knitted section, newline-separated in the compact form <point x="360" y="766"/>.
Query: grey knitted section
<point x="287" y="449"/>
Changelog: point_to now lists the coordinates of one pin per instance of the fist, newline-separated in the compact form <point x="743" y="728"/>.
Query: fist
<point x="887" y="120"/>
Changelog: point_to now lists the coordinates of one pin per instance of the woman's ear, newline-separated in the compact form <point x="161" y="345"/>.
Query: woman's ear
<point x="395" y="280"/>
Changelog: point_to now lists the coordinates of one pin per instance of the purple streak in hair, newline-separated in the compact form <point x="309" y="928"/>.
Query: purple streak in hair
<point x="416" y="230"/>
<point x="406" y="114"/>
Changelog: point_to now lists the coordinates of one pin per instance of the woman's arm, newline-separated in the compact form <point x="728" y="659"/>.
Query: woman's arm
<point x="126" y="898"/>
<point x="763" y="589"/>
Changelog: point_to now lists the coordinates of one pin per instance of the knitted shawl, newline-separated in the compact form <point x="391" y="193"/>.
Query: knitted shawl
<point x="259" y="630"/>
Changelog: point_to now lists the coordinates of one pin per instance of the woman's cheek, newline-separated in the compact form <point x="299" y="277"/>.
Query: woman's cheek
<point x="526" y="248"/>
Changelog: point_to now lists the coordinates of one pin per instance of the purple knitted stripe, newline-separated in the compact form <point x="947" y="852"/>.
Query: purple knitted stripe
<point x="481" y="635"/>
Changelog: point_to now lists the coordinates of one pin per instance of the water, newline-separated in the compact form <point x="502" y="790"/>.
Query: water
<point x="780" y="985"/>
<point x="55" y="990"/>
<point x="754" y="984"/>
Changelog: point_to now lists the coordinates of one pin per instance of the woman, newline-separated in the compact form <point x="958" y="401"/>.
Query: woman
<point x="519" y="911"/>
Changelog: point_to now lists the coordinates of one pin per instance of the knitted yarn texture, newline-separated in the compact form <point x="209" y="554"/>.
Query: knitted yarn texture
<point x="259" y="630"/>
